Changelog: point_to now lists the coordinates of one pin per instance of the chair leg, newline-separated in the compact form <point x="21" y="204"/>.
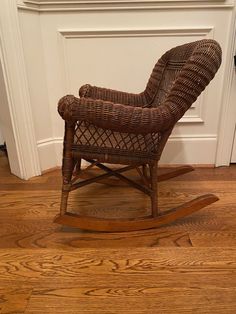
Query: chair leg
<point x="66" y="188"/>
<point x="64" y="200"/>
<point x="154" y="202"/>
<point x="68" y="166"/>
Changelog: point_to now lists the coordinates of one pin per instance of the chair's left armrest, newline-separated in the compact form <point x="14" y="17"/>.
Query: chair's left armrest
<point x="115" y="96"/>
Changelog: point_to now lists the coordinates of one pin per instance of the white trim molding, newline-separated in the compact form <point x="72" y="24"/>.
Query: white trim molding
<point x="18" y="92"/>
<point x="133" y="32"/>
<point x="98" y="5"/>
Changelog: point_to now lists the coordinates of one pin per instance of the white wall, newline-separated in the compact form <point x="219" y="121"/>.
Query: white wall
<point x="67" y="45"/>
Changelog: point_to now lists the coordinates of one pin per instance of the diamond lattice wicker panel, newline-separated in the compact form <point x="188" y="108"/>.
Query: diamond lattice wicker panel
<point x="89" y="135"/>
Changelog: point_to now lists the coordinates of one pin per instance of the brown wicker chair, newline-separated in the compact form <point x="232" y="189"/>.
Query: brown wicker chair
<point x="105" y="125"/>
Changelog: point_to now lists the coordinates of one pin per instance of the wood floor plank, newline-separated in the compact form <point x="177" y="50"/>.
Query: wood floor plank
<point x="46" y="235"/>
<point x="141" y="300"/>
<point x="37" y="264"/>
<point x="213" y="239"/>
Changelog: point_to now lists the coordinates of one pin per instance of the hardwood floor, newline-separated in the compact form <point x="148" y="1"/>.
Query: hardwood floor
<point x="186" y="267"/>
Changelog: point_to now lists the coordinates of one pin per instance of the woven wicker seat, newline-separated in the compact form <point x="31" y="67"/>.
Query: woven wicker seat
<point x="105" y="125"/>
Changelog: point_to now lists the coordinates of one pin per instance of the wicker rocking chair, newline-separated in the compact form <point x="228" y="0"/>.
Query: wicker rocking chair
<point x="105" y="125"/>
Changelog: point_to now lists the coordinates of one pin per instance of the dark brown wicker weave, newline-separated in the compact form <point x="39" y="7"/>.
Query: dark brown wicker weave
<point x="105" y="125"/>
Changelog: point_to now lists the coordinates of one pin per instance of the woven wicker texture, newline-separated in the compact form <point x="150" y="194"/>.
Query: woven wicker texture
<point x="122" y="127"/>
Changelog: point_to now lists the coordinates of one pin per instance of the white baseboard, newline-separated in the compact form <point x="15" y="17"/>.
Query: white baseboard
<point x="190" y="150"/>
<point x="49" y="151"/>
<point x="179" y="150"/>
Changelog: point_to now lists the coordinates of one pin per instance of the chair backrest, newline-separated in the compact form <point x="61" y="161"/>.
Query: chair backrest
<point x="183" y="72"/>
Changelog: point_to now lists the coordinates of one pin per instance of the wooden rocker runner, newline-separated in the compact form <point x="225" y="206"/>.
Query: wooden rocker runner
<point x="108" y="126"/>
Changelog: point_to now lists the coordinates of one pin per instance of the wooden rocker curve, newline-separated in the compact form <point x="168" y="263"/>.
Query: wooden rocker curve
<point x="118" y="225"/>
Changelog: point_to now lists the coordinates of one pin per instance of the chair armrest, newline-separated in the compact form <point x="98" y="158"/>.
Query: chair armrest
<point x="118" y="117"/>
<point x="94" y="92"/>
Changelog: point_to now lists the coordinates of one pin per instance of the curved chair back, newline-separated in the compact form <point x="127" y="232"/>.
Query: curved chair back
<point x="182" y="73"/>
